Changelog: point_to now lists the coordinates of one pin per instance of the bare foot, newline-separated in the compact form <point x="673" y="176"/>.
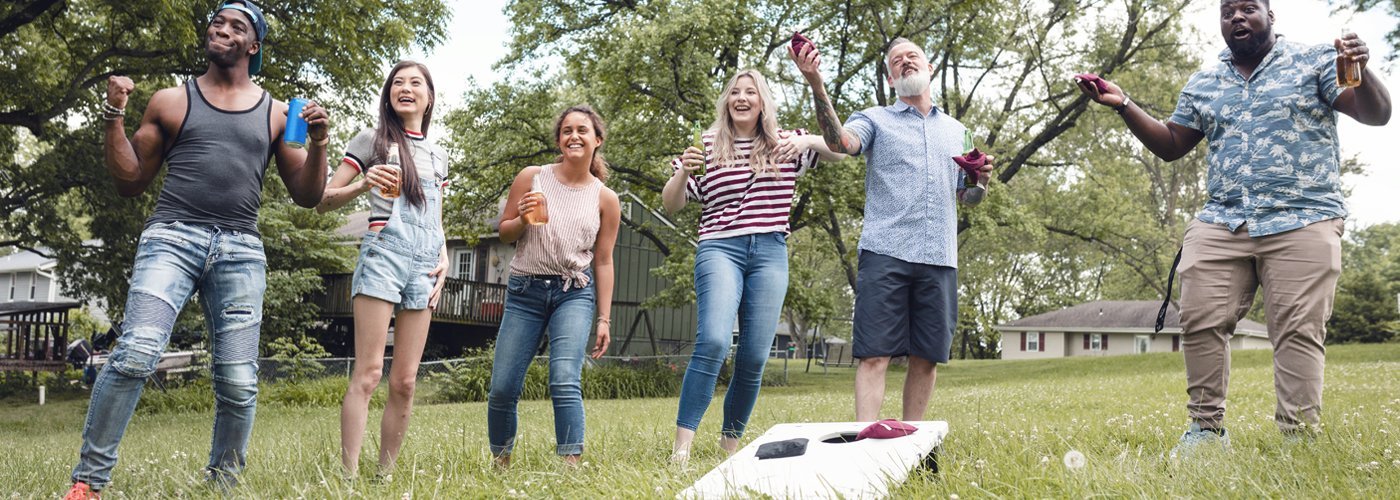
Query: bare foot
<point x="502" y="461"/>
<point x="729" y="444"/>
<point x="572" y="460"/>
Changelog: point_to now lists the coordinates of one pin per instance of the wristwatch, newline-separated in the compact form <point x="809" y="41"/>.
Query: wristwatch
<point x="1123" y="107"/>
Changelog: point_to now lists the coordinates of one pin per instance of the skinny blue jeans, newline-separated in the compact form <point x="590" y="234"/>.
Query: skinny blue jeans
<point x="173" y="261"/>
<point x="536" y="305"/>
<point x="744" y="277"/>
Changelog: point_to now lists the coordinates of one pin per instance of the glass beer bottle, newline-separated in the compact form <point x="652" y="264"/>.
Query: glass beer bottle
<point x="1348" y="69"/>
<point x="699" y="143"/>
<point x="539" y="215"/>
<point x="394" y="163"/>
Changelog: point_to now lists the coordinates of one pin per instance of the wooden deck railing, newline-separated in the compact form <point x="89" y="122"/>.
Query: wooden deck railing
<point x="463" y="301"/>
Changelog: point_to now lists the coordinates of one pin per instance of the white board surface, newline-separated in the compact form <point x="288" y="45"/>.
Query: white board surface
<point x="860" y="469"/>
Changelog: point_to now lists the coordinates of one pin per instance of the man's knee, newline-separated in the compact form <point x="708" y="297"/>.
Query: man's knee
<point x="875" y="363"/>
<point x="236" y="383"/>
<point x="145" y="332"/>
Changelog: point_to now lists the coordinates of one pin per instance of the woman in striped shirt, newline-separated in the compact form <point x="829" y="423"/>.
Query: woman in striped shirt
<point x="551" y="286"/>
<point x="750" y="169"/>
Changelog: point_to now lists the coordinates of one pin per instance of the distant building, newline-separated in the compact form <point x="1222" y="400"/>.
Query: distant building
<point x="29" y="277"/>
<point x="1106" y="328"/>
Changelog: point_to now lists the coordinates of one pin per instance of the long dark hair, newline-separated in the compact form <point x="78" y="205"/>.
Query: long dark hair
<point x="599" y="167"/>
<point x="390" y="130"/>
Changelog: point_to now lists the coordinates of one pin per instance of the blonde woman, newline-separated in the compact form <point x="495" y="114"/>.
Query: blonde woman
<point x="741" y="270"/>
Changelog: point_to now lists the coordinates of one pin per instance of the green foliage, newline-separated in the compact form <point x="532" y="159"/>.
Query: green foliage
<point x="55" y="192"/>
<point x="470" y="380"/>
<point x="1367" y="306"/>
<point x="295" y="358"/>
<point x="654" y="68"/>
<point x="82" y="325"/>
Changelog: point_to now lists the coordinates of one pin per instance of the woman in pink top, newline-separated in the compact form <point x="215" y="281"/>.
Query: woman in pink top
<point x="741" y="269"/>
<point x="561" y="269"/>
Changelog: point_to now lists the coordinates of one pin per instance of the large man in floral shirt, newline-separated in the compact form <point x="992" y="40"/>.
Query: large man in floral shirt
<point x="1275" y="212"/>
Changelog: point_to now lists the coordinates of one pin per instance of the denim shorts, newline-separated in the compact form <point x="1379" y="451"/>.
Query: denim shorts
<point x="395" y="262"/>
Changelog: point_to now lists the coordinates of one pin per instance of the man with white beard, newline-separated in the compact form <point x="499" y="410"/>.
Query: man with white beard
<point x="906" y="288"/>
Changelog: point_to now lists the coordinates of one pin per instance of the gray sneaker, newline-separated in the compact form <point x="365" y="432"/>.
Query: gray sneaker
<point x="1194" y="437"/>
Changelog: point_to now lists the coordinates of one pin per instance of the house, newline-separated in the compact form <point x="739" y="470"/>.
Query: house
<point x="34" y="313"/>
<point x="469" y="314"/>
<point x="29" y="277"/>
<point x="1107" y="328"/>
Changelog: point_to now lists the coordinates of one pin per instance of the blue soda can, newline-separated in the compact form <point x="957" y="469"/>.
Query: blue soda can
<point x="295" y="133"/>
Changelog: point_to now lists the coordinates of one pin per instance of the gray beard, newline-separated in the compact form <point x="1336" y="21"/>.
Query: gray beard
<point x="911" y="85"/>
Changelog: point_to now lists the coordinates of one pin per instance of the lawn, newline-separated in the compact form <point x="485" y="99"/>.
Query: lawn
<point x="1011" y="421"/>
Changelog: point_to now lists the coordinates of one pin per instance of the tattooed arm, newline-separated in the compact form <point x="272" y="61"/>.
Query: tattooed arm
<point x="836" y="136"/>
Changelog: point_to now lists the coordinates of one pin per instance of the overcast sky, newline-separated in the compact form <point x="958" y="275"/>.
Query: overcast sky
<point x="479" y="33"/>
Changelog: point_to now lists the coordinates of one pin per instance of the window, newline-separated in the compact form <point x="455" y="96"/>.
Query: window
<point x="14" y="283"/>
<point x="1142" y="344"/>
<point x="1094" y="342"/>
<point x="466" y="264"/>
<point x="33" y="285"/>
<point x="1176" y="343"/>
<point x="1032" y="341"/>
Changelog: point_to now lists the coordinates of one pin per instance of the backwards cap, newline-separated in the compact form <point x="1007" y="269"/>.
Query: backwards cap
<point x="255" y="16"/>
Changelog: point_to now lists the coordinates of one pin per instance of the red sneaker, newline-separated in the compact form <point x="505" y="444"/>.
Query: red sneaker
<point x="81" y="491"/>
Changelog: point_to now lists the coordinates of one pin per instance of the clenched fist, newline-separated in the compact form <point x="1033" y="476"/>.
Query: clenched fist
<point x="118" y="90"/>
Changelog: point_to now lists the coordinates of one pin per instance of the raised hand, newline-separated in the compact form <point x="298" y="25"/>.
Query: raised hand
<point x="1113" y="96"/>
<point x="808" y="62"/>
<point x="119" y="90"/>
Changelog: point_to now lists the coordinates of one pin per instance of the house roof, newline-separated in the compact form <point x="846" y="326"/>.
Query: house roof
<point x="24" y="261"/>
<point x="1138" y="316"/>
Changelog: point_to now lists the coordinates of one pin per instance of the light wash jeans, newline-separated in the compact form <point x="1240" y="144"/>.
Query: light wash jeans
<point x="173" y="261"/>
<point x="743" y="276"/>
<point x="535" y="304"/>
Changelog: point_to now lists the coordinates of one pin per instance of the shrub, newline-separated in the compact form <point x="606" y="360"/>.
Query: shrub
<point x="470" y="380"/>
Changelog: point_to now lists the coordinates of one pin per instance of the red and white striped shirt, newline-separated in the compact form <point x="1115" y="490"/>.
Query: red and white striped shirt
<point x="739" y="202"/>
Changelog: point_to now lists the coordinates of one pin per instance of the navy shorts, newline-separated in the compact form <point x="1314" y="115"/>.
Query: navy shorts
<point x="903" y="308"/>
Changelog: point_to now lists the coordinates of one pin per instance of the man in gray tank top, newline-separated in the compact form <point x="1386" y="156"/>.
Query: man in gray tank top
<point x="216" y="133"/>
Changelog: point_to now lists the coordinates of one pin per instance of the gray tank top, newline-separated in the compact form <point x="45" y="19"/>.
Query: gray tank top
<point x="215" y="169"/>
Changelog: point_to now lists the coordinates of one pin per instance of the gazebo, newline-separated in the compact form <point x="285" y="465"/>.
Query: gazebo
<point x="35" y="335"/>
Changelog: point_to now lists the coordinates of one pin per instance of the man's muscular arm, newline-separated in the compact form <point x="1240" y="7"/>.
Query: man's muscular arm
<point x="134" y="163"/>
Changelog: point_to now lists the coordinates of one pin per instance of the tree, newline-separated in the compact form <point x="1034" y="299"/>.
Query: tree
<point x="1367" y="305"/>
<point x="653" y="68"/>
<point x="1392" y="6"/>
<point x="57" y="55"/>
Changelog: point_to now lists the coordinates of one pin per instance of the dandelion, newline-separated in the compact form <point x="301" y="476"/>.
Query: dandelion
<point x="953" y="496"/>
<point x="1075" y="460"/>
<point x="981" y="463"/>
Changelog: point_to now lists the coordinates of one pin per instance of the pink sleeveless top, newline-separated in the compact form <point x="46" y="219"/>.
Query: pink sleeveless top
<point x="564" y="246"/>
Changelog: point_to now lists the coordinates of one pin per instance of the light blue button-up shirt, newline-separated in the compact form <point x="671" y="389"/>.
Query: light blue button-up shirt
<point x="911" y="182"/>
<point x="1274" y="158"/>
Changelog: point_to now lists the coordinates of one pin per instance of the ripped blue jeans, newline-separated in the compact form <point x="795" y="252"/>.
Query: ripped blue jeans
<point x="173" y="261"/>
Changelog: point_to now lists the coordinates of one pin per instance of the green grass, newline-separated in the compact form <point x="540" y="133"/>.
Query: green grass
<point x="1011" y="421"/>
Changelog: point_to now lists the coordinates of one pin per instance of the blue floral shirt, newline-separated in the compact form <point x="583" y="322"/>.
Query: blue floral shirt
<point x="1274" y="157"/>
<point x="911" y="182"/>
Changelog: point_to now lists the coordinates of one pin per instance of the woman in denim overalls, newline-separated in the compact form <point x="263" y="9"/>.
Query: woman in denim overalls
<point x="403" y="257"/>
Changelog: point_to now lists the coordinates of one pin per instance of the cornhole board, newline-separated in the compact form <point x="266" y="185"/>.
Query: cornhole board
<point x="834" y="466"/>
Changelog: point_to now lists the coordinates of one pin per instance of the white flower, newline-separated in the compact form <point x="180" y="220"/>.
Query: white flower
<point x="1075" y="460"/>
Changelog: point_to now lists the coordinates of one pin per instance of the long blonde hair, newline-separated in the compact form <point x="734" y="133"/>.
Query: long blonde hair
<point x="765" y="143"/>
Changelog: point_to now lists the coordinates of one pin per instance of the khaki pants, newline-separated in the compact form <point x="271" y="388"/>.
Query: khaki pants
<point x="1220" y="271"/>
